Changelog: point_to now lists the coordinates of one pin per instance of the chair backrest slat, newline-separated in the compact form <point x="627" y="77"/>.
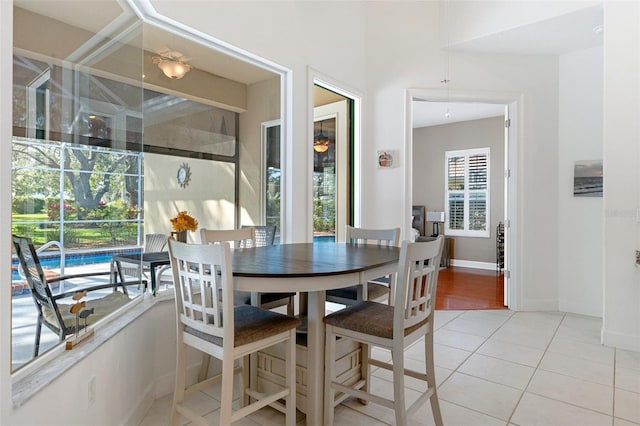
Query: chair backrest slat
<point x="416" y="283"/>
<point x="241" y="238"/>
<point x="154" y="243"/>
<point x="265" y="235"/>
<point x="203" y="285"/>
<point x="381" y="237"/>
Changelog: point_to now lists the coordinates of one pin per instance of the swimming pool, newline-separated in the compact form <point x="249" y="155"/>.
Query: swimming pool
<point x="52" y="261"/>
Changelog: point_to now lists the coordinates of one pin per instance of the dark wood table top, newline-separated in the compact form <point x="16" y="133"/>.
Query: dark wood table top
<point x="294" y="260"/>
<point x="310" y="260"/>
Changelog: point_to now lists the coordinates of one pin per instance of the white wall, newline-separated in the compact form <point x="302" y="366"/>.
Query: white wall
<point x="622" y="174"/>
<point x="263" y="105"/>
<point x="580" y="219"/>
<point x="412" y="61"/>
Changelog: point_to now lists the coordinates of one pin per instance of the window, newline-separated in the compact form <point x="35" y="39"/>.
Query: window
<point x="467" y="192"/>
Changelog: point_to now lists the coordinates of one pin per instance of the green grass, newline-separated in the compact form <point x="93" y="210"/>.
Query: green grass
<point x="77" y="236"/>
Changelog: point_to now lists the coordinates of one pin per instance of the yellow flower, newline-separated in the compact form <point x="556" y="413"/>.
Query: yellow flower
<point x="184" y="222"/>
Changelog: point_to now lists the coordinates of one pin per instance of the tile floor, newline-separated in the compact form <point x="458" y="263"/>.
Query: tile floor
<point x="496" y="368"/>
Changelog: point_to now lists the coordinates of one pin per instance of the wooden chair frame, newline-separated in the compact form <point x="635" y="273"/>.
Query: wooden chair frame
<point x="203" y="284"/>
<point x="392" y="328"/>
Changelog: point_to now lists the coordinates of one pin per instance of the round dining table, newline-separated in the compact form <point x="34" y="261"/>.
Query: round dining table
<point x="312" y="268"/>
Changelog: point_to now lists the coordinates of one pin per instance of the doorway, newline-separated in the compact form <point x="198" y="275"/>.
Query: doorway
<point x="334" y="163"/>
<point x="446" y="119"/>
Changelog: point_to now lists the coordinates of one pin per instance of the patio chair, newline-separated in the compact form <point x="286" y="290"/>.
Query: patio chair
<point x="54" y="313"/>
<point x="208" y="321"/>
<point x="392" y="328"/>
<point x="153" y="243"/>
<point x="378" y="289"/>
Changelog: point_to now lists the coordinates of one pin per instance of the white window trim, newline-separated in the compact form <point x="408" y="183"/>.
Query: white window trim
<point x="466" y="153"/>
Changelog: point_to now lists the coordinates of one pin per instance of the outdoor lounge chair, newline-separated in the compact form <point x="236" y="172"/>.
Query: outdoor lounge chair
<point x="51" y="312"/>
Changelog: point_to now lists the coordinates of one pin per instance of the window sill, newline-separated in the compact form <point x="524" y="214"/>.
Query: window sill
<point x="29" y="380"/>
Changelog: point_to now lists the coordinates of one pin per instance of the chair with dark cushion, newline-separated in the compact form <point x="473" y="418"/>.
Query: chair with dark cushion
<point x="54" y="310"/>
<point x="208" y="321"/>
<point x="391" y="328"/>
<point x="377" y="289"/>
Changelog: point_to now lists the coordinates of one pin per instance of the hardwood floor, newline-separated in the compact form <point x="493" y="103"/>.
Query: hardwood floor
<point x="465" y="288"/>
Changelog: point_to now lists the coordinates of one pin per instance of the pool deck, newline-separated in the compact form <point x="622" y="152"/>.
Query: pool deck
<point x="24" y="314"/>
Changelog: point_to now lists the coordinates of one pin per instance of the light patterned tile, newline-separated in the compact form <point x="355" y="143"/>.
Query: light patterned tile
<point x="628" y="359"/>
<point x="511" y="352"/>
<point x="483" y="327"/>
<point x="585" y="394"/>
<point x="452" y="415"/>
<point x="628" y="379"/>
<point x="481" y="395"/>
<point x="534" y="410"/>
<point x="467" y="342"/>
<point x="578" y="368"/>
<point x="627" y="405"/>
<point x="589" y="351"/>
<point x="443" y="317"/>
<point x="448" y="357"/>
<point x="497" y="370"/>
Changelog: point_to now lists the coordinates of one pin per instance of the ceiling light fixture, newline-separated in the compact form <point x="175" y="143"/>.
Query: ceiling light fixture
<point x="172" y="67"/>
<point x="320" y="141"/>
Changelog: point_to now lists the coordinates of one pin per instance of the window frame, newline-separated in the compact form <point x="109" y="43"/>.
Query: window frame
<point x="466" y="191"/>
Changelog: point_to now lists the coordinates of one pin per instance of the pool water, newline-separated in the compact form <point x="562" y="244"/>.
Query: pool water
<point x="73" y="259"/>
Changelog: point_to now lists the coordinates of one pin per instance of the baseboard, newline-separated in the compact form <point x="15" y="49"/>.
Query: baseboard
<point x="473" y="264"/>
<point x="629" y="342"/>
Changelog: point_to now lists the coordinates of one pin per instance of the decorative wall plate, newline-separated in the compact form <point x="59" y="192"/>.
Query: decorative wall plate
<point x="184" y="175"/>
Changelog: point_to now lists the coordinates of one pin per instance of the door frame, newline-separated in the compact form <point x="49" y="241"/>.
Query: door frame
<point x="514" y="102"/>
<point x="316" y="78"/>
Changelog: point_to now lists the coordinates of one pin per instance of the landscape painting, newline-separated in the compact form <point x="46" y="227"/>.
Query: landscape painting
<point x="587" y="179"/>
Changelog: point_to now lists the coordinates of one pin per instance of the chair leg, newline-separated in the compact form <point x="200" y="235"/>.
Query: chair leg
<point x="431" y="378"/>
<point x="290" y="381"/>
<point x="397" y="354"/>
<point x="290" y="307"/>
<point x="36" y="345"/>
<point x="245" y="382"/>
<point x="365" y="371"/>
<point x="181" y="373"/>
<point x="204" y="367"/>
<point x="329" y="374"/>
<point x="226" y="396"/>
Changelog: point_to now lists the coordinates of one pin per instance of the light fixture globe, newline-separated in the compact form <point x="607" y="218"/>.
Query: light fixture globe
<point x="172" y="68"/>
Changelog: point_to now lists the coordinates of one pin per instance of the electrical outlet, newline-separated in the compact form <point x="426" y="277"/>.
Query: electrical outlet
<point x="91" y="391"/>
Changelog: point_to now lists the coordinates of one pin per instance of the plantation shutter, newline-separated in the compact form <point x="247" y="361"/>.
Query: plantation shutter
<point x="467" y="192"/>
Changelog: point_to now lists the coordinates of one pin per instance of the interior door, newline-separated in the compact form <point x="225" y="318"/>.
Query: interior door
<point x="331" y="172"/>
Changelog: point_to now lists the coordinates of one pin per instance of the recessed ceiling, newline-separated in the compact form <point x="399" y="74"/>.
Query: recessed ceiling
<point x="82" y="14"/>
<point x="578" y="30"/>
<point x="427" y="113"/>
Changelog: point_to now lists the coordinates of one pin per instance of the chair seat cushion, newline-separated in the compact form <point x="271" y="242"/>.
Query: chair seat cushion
<point x="374" y="319"/>
<point x="251" y="324"/>
<point x="101" y="308"/>
<point x="375" y="291"/>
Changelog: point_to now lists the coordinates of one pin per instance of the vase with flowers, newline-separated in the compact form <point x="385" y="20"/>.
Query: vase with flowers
<point x="182" y="223"/>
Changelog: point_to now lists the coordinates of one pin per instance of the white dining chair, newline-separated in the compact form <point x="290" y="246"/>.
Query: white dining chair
<point x="378" y="289"/>
<point x="208" y="321"/>
<point x="392" y="328"/>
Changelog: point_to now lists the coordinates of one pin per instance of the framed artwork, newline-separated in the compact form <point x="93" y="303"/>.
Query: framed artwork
<point x="588" y="179"/>
<point x="386" y="159"/>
